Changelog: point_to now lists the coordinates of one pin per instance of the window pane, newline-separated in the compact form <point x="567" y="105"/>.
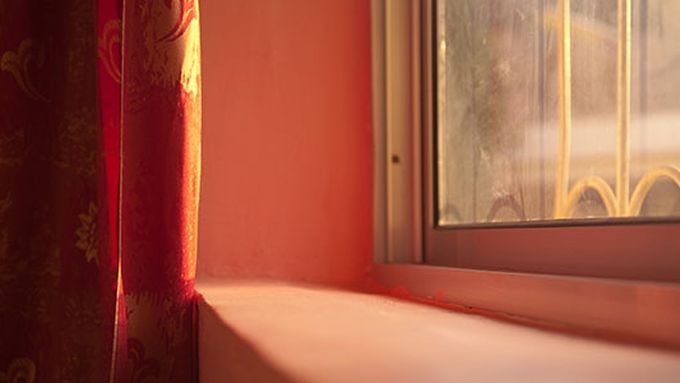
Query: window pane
<point x="656" y="102"/>
<point x="542" y="116"/>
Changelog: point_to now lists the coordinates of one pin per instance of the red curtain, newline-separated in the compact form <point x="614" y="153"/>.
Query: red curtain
<point x="161" y="158"/>
<point x="99" y="175"/>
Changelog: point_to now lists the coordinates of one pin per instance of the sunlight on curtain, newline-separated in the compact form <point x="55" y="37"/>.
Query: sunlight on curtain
<point x="100" y="123"/>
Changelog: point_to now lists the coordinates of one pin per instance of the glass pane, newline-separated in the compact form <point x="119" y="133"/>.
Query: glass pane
<point x="545" y="112"/>
<point x="655" y="128"/>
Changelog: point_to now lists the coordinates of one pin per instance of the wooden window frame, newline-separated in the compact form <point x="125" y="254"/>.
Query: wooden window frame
<point x="621" y="281"/>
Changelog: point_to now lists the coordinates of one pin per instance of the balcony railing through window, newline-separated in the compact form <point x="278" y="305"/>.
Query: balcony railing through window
<point x="554" y="110"/>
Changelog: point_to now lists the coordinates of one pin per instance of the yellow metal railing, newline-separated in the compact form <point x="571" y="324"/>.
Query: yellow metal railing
<point x="618" y="203"/>
<point x="564" y="87"/>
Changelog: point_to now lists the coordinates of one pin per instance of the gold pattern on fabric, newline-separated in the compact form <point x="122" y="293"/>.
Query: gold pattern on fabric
<point x="141" y="366"/>
<point x="76" y="142"/>
<point x="172" y="57"/>
<point x="56" y="274"/>
<point x="187" y="13"/>
<point x="161" y="85"/>
<point x="157" y="333"/>
<point x="83" y="316"/>
<point x="107" y="43"/>
<point x="21" y="370"/>
<point x="17" y="63"/>
<point x="191" y="66"/>
<point x="88" y="240"/>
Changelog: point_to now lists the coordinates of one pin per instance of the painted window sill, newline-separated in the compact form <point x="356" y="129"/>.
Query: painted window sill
<point x="255" y="331"/>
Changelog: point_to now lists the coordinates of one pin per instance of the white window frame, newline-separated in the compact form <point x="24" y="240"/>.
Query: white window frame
<point x="397" y="118"/>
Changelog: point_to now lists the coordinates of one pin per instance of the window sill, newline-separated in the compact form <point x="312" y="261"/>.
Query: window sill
<point x="629" y="311"/>
<point x="267" y="331"/>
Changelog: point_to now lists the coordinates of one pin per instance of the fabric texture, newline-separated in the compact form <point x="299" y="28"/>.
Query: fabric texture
<point x="99" y="173"/>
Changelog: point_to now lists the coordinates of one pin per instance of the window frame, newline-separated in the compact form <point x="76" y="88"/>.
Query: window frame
<point x="396" y="76"/>
<point x="487" y="266"/>
<point x="512" y="247"/>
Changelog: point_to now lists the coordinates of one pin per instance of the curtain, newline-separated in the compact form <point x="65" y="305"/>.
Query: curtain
<point x="161" y="140"/>
<point x="99" y="175"/>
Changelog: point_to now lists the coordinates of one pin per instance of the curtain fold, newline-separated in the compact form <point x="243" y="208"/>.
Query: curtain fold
<point x="99" y="175"/>
<point x="161" y="158"/>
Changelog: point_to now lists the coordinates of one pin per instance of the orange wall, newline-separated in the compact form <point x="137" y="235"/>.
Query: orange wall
<point x="287" y="142"/>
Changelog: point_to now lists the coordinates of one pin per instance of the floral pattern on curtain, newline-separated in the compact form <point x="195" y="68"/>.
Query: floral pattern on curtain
<point x="161" y="162"/>
<point x="99" y="172"/>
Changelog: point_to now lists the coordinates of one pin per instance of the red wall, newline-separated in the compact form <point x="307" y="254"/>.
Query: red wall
<point x="287" y="142"/>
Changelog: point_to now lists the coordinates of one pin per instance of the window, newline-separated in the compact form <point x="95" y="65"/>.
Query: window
<point x="557" y="111"/>
<point x="531" y="149"/>
<point x="530" y="136"/>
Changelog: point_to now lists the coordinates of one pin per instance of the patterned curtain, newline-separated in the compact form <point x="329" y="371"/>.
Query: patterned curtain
<point x="99" y="175"/>
<point x="161" y="158"/>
